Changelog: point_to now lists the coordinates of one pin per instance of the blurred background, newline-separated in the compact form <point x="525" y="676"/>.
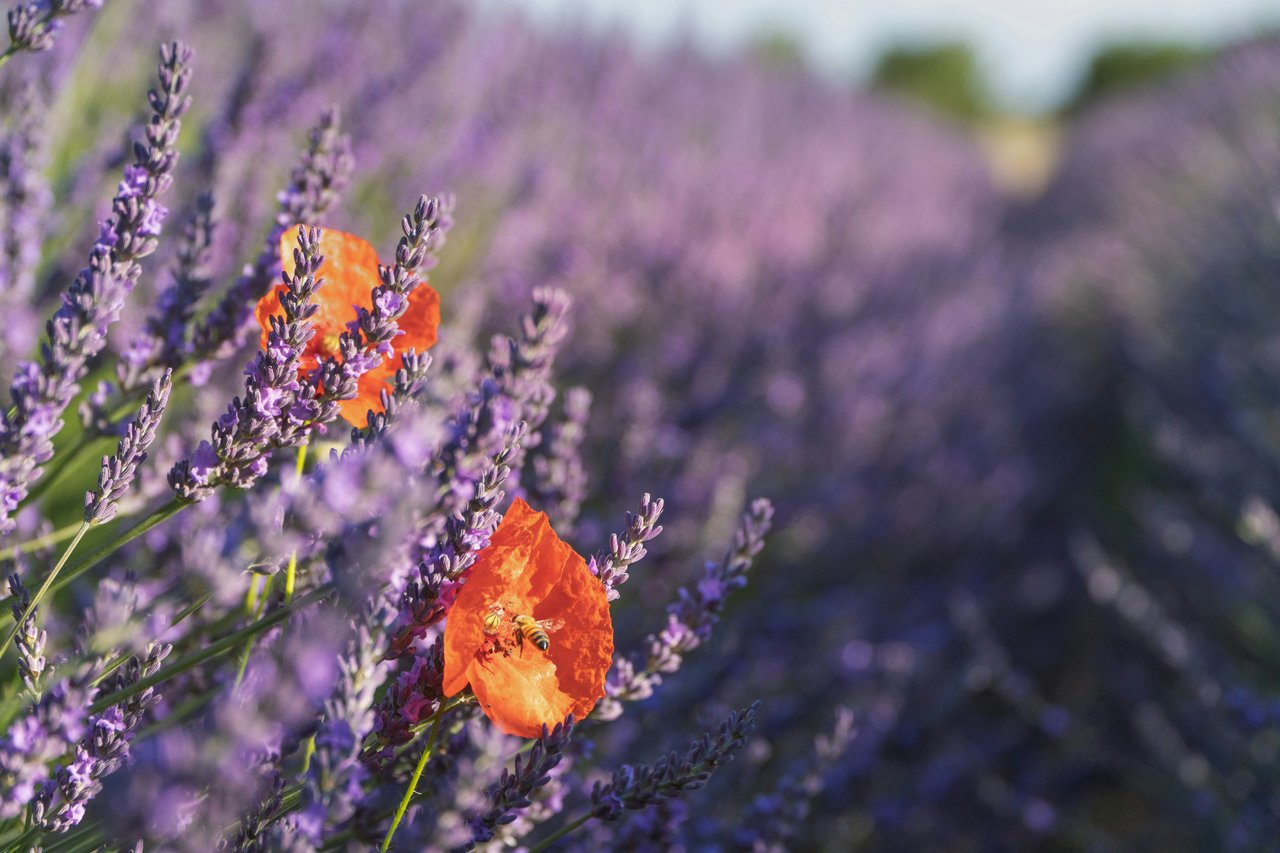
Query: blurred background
<point x="1008" y="69"/>
<point x="984" y="295"/>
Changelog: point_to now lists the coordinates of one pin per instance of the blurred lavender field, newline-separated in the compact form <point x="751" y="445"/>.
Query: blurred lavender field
<point x="1022" y="455"/>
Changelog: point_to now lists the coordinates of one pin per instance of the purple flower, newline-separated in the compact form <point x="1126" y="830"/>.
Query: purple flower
<point x="391" y="302"/>
<point x="95" y="299"/>
<point x="203" y="463"/>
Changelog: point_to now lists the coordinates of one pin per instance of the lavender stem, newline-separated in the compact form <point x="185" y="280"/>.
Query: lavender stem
<point x="44" y="587"/>
<point x="417" y="775"/>
<point x="546" y="843"/>
<point x="291" y="571"/>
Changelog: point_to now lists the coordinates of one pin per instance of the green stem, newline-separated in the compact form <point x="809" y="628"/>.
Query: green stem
<point x="164" y="513"/>
<point x="417" y="775"/>
<point x="44" y="587"/>
<point x="558" y="834"/>
<point x="290" y="575"/>
<point x="81" y="842"/>
<point x="191" y="608"/>
<point x="62" y="534"/>
<point x="254" y="609"/>
<point x="290" y="579"/>
<point x="251" y="594"/>
<point x="23" y="841"/>
<point x="307" y="751"/>
<point x="211" y="651"/>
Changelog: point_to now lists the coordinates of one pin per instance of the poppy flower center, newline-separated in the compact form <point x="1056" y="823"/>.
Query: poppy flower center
<point x="329" y="345"/>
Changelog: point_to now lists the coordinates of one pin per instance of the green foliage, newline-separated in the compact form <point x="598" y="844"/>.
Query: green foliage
<point x="778" y="49"/>
<point x="944" y="77"/>
<point x="1127" y="65"/>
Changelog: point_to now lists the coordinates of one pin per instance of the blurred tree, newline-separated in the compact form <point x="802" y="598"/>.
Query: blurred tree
<point x="944" y="77"/>
<point x="778" y="49"/>
<point x="1126" y="65"/>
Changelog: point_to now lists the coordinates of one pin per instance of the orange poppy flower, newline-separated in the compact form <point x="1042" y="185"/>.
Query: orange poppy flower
<point x="350" y="273"/>
<point x="525" y="677"/>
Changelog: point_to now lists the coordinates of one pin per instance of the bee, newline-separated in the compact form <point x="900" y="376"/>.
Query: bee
<point x="535" y="630"/>
<point x="522" y="627"/>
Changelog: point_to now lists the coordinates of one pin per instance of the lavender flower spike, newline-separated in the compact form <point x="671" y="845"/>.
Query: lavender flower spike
<point x="516" y="787"/>
<point x="406" y="386"/>
<point x="24" y="200"/>
<point x="690" y="618"/>
<point x="628" y="549"/>
<point x="442" y="568"/>
<point x="698" y="611"/>
<point x="118" y="470"/>
<point x="42" y="390"/>
<point x="277" y="409"/>
<point x="672" y="775"/>
<point x="516" y="388"/>
<point x="165" y="340"/>
<point x="103" y="750"/>
<point x="30" y="640"/>
<point x="367" y="341"/>
<point x="315" y="186"/>
<point x="34" y="24"/>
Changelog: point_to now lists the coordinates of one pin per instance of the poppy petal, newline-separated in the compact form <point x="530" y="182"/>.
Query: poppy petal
<point x="528" y="570"/>
<point x="540" y="698"/>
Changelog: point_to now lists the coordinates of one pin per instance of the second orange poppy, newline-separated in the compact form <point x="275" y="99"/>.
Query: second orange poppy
<point x="350" y="273"/>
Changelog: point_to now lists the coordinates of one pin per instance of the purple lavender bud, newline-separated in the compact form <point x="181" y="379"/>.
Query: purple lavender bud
<point x="280" y="410"/>
<point x="118" y="471"/>
<point x="103" y="750"/>
<point x="315" y="186"/>
<point x="263" y="420"/>
<point x="636" y="787"/>
<point x="331" y="792"/>
<point x="410" y="700"/>
<point x="700" y="610"/>
<point x="628" y="549"/>
<point x="406" y="386"/>
<point x="516" y="383"/>
<point x="691" y="617"/>
<point x="369" y="337"/>
<point x="773" y="820"/>
<point x="516" y="788"/>
<point x="30" y="639"/>
<point x="442" y="567"/>
<point x="166" y="339"/>
<point x="24" y="202"/>
<point x="254" y="824"/>
<point x="77" y="332"/>
<point x="33" y="24"/>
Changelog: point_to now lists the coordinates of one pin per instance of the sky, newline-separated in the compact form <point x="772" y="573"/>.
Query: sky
<point x="1033" y="51"/>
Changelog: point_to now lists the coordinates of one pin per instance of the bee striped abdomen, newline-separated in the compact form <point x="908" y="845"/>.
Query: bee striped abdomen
<point x="531" y="631"/>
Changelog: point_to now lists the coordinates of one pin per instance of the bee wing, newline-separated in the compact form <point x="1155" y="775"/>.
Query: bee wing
<point x="550" y="625"/>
